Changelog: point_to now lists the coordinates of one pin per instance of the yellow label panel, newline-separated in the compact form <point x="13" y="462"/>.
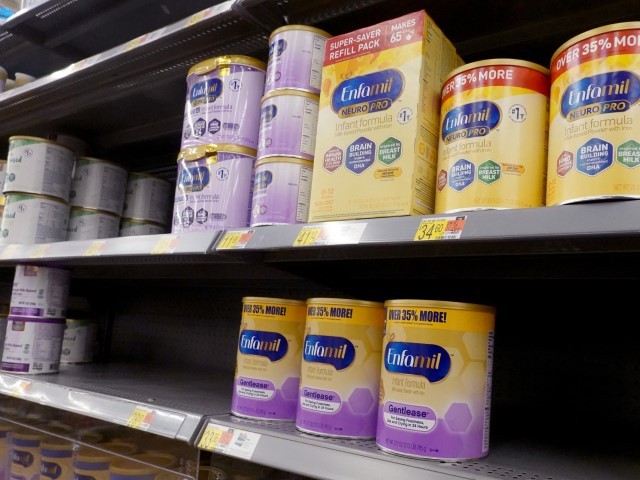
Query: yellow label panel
<point x="141" y="418"/>
<point x="94" y="249"/>
<point x="166" y="245"/>
<point x="210" y="438"/>
<point x="236" y="239"/>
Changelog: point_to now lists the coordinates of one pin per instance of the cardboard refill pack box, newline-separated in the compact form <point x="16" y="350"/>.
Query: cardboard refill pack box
<point x="377" y="138"/>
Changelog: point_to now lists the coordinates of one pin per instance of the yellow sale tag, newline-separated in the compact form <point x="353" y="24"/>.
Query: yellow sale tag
<point x="20" y="388"/>
<point x="140" y="418"/>
<point x="95" y="248"/>
<point x="210" y="438"/>
<point x="307" y="236"/>
<point x="235" y="240"/>
<point x="166" y="245"/>
<point x="9" y="251"/>
<point x="445" y="228"/>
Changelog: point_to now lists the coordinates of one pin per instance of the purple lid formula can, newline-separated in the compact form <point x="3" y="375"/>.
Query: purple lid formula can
<point x="223" y="101"/>
<point x="295" y="58"/>
<point x="435" y="386"/>
<point x="268" y="361"/>
<point x="288" y="123"/>
<point x="214" y="188"/>
<point x="281" y="191"/>
<point x="340" y="372"/>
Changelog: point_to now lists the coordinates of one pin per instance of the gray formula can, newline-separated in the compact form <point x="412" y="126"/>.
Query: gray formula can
<point x="90" y="224"/>
<point x="30" y="219"/>
<point x="98" y="184"/>
<point x="133" y="227"/>
<point x="148" y="198"/>
<point x="39" y="166"/>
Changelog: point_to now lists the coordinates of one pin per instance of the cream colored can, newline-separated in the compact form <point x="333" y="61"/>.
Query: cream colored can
<point x="56" y="459"/>
<point x="268" y="359"/>
<point x="39" y="166"/>
<point x="133" y="227"/>
<point x="3" y="173"/>
<point x="98" y="184"/>
<point x="594" y="132"/>
<point x="435" y="385"/>
<point x="148" y="198"/>
<point x="93" y="464"/>
<point x="32" y="219"/>
<point x="25" y="454"/>
<point x="340" y="372"/>
<point x="493" y="136"/>
<point x="40" y="291"/>
<point x="79" y="341"/>
<point x="89" y="224"/>
<point x="5" y="436"/>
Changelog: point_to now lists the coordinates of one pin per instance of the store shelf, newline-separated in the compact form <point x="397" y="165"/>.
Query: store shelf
<point x="330" y="458"/>
<point x="158" y="249"/>
<point x="115" y="392"/>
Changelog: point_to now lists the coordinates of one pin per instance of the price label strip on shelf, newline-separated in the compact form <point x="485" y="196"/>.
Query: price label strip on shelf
<point x="229" y="441"/>
<point x="20" y="389"/>
<point x="141" y="418"/>
<point x="235" y="239"/>
<point x="329" y="234"/>
<point x="40" y="251"/>
<point x="9" y="251"/>
<point x="95" y="249"/>
<point x="166" y="245"/>
<point x="443" y="228"/>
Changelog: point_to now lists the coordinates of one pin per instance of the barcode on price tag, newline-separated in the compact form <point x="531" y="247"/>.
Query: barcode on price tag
<point x="229" y="441"/>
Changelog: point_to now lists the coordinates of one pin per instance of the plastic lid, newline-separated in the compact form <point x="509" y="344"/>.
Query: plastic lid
<point x="212" y="64"/>
<point x="307" y="28"/>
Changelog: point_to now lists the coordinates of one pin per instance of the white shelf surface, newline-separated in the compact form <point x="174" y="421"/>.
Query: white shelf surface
<point x="281" y="446"/>
<point x="180" y="398"/>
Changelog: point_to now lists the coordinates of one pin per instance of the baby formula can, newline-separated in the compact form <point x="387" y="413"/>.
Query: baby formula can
<point x="147" y="198"/>
<point x="493" y="136"/>
<point x="3" y="173"/>
<point x="40" y="291"/>
<point x="56" y="459"/>
<point x="3" y="79"/>
<point x="93" y="464"/>
<point x="98" y="184"/>
<point x="288" y="123"/>
<point x="594" y="147"/>
<point x="295" y="58"/>
<point x="137" y="467"/>
<point x="268" y="360"/>
<point x="132" y="227"/>
<point x="281" y="191"/>
<point x="37" y="165"/>
<point x="90" y="224"/>
<point x="3" y="331"/>
<point x="25" y="454"/>
<point x="3" y="202"/>
<point x="223" y="101"/>
<point x="214" y="187"/>
<point x="31" y="219"/>
<point x="435" y="387"/>
<point x="340" y="373"/>
<point x="5" y="437"/>
<point x="32" y="345"/>
<point x="212" y="473"/>
<point x="79" y="341"/>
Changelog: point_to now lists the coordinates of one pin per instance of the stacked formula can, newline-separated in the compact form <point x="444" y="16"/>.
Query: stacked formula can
<point x="97" y="199"/>
<point x="288" y="122"/>
<point x="147" y="205"/>
<point x="37" y="185"/>
<point x="218" y="152"/>
<point x="36" y="321"/>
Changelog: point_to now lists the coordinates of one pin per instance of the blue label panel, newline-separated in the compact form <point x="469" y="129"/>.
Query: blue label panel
<point x="604" y="93"/>
<point x="194" y="179"/>
<point x="369" y="93"/>
<point x="263" y="179"/>
<point x="209" y="90"/>
<point x="475" y="119"/>
<point x="336" y="351"/>
<point x="423" y="359"/>
<point x="272" y="345"/>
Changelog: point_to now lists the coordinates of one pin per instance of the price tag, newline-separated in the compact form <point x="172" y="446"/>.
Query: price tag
<point x="141" y="418"/>
<point x="236" y="239"/>
<point x="337" y="233"/>
<point x="20" y="388"/>
<point x="94" y="249"/>
<point x="443" y="228"/>
<point x="40" y="251"/>
<point x="229" y="441"/>
<point x="166" y="245"/>
<point x="308" y="236"/>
